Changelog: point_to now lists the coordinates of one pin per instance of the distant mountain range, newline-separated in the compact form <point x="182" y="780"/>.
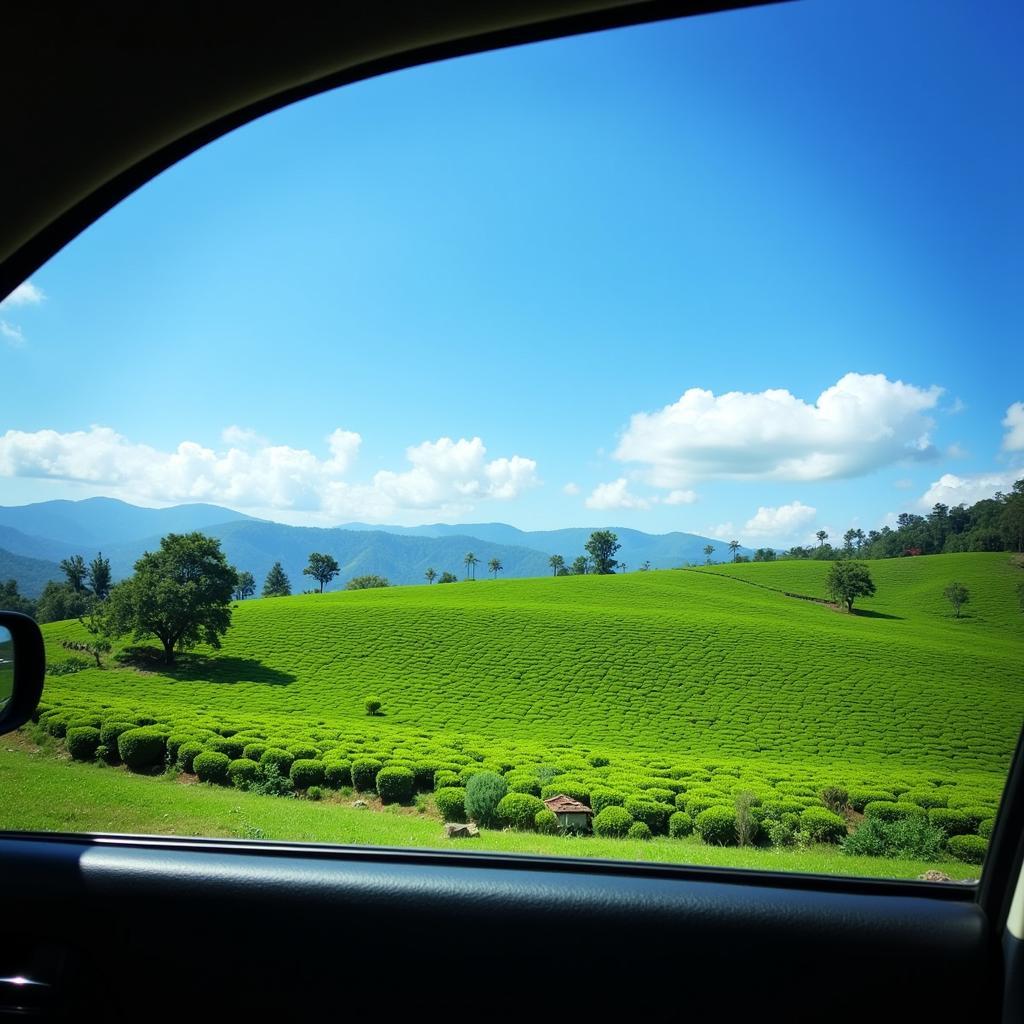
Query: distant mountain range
<point x="34" y="538"/>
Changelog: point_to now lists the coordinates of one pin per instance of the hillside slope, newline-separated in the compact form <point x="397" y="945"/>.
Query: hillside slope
<point x="32" y="574"/>
<point x="681" y="663"/>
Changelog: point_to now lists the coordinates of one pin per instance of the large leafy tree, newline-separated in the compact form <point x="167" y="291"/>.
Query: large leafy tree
<point x="12" y="601"/>
<point x="99" y="577"/>
<point x="245" y="587"/>
<point x="75" y="570"/>
<point x="581" y="565"/>
<point x="601" y="547"/>
<point x="60" y="601"/>
<point x="846" y="581"/>
<point x="180" y="594"/>
<point x="323" y="568"/>
<point x="368" y="582"/>
<point x="277" y="583"/>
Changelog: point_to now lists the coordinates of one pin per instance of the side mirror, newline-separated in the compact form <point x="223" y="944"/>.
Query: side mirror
<point x="22" y="668"/>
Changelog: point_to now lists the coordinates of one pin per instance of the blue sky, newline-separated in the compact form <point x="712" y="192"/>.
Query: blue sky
<point x="604" y="257"/>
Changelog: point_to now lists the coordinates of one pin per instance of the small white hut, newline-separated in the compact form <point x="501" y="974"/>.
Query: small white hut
<point x="572" y="815"/>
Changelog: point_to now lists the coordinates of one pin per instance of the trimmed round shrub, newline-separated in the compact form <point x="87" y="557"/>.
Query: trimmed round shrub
<point x="142" y="748"/>
<point x="78" y="721"/>
<point x="716" y="826"/>
<point x="337" y="774"/>
<point x="483" y="794"/>
<point x="467" y="772"/>
<point x="977" y="814"/>
<point x="254" y="751"/>
<point x="952" y="821"/>
<point x="373" y="705"/>
<point x="230" y="747"/>
<point x="860" y="798"/>
<point x="661" y="796"/>
<point x="680" y="824"/>
<point x="364" y="774"/>
<point x="306" y="772"/>
<point x="423" y="777"/>
<point x="835" y="798"/>
<point x="546" y="822"/>
<point x="613" y="822"/>
<point x="110" y="731"/>
<point x="639" y="830"/>
<point x="653" y="814"/>
<point x="602" y="798"/>
<point x="695" y="805"/>
<point x="396" y="784"/>
<point x="243" y="772"/>
<point x="519" y="810"/>
<point x="55" y="724"/>
<point x="212" y="766"/>
<point x="314" y="793"/>
<point x="598" y="761"/>
<point x="279" y="758"/>
<point x="889" y="810"/>
<point x="926" y="798"/>
<point x="303" y="751"/>
<point x="972" y="798"/>
<point x="985" y="828"/>
<point x="82" y="742"/>
<point x="970" y="849"/>
<point x="822" y="825"/>
<point x="527" y="784"/>
<point x="451" y="802"/>
<point x="187" y="754"/>
<point x="445" y="778"/>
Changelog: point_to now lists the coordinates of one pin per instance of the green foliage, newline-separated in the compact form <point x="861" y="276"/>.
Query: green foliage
<point x="451" y="803"/>
<point x="821" y="825"/>
<point x="59" y="601"/>
<point x="243" y="772"/>
<point x="520" y="783"/>
<point x="180" y="594"/>
<point x="601" y="547"/>
<point x="369" y="582"/>
<point x="227" y="745"/>
<point x="448" y="577"/>
<point x="519" y="810"/>
<point x="271" y="781"/>
<point x="680" y="824"/>
<point x="337" y="774"/>
<point x="306" y="772"/>
<point x="899" y="837"/>
<point x="985" y="828"/>
<point x="846" y="581"/>
<point x="570" y="788"/>
<point x="602" y="798"/>
<point x="314" y="793"/>
<point x="952" y="821"/>
<point x="613" y="822"/>
<point x="926" y="798"/>
<point x="484" y="792"/>
<point x="545" y="822"/>
<point x="323" y="568"/>
<point x="860" y="798"/>
<point x="303" y="751"/>
<point x="187" y="754"/>
<point x="211" y="766"/>
<point x="716" y="826"/>
<point x="142" y="748"/>
<point x="373" y="705"/>
<point x="639" y="830"/>
<point x="886" y="810"/>
<point x="653" y="814"/>
<point x="364" y="774"/>
<point x="277" y="583"/>
<point x="254" y="751"/>
<point x="82" y="742"/>
<point x="969" y="849"/>
<point x="245" y="587"/>
<point x="835" y="798"/>
<point x="280" y="759"/>
<point x="110" y="731"/>
<point x="395" y="785"/>
<point x="957" y="595"/>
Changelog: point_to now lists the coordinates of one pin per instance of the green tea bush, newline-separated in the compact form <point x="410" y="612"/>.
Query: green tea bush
<point x="912" y="837"/>
<point x="270" y="781"/>
<point x="639" y="830"/>
<point x="888" y="810"/>
<point x="395" y="784"/>
<point x="337" y="774"/>
<point x="521" y="782"/>
<point x="451" y="803"/>
<point x="279" y="758"/>
<point x="141" y="748"/>
<point x="187" y="754"/>
<point x="303" y="751"/>
<point x="661" y="796"/>
<point x="926" y="798"/>
<point x="952" y="821"/>
<point x="254" y="751"/>
<point x="242" y="772"/>
<point x="212" y="766"/>
<point x="716" y="826"/>
<point x="546" y="822"/>
<point x="519" y="810"/>
<point x="985" y="828"/>
<point x="977" y="815"/>
<point x="228" y="746"/>
<point x="602" y="798"/>
<point x="969" y="849"/>
<point x="613" y="822"/>
<point x="307" y="772"/>
<point x="822" y="825"/>
<point x="445" y="778"/>
<point x="364" y="774"/>
<point x="679" y="825"/>
<point x="483" y="794"/>
<point x="835" y="798"/>
<point x="82" y="742"/>
<point x="55" y="724"/>
<point x="598" y="761"/>
<point x="423" y="777"/>
<point x="314" y="793"/>
<point x="695" y="805"/>
<point x="654" y="815"/>
<point x="860" y="798"/>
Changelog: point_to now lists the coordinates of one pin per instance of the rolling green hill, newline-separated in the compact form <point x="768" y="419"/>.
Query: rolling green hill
<point x="683" y="671"/>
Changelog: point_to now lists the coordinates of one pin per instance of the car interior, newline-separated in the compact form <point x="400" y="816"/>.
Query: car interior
<point x="128" y="927"/>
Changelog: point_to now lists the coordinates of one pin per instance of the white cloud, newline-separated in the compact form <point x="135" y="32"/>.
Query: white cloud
<point x="12" y="332"/>
<point x="446" y="477"/>
<point x="1014" y="423"/>
<point x="951" y="489"/>
<point x="955" y="407"/>
<point x="571" y="489"/>
<point x="862" y="422"/>
<point x="26" y="294"/>
<point x="904" y="483"/>
<point x="614" y="495"/>
<point x="780" y="523"/>
<point x="722" y="530"/>
<point x="241" y="437"/>
<point x="680" y="497"/>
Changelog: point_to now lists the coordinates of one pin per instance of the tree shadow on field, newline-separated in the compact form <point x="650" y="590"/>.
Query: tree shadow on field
<point x="866" y="613"/>
<point x="211" y="668"/>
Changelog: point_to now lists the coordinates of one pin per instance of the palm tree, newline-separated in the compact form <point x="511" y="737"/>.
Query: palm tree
<point x="822" y="537"/>
<point x="622" y="566"/>
<point x="471" y="563"/>
<point x="734" y="546"/>
<point x="495" y="566"/>
<point x="709" y="550"/>
<point x="556" y="562"/>
<point x="431" y="575"/>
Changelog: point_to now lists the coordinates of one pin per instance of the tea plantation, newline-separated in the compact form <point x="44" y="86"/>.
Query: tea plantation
<point x="677" y="688"/>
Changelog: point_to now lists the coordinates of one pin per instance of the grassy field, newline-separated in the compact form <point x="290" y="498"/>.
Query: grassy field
<point x="679" y="683"/>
